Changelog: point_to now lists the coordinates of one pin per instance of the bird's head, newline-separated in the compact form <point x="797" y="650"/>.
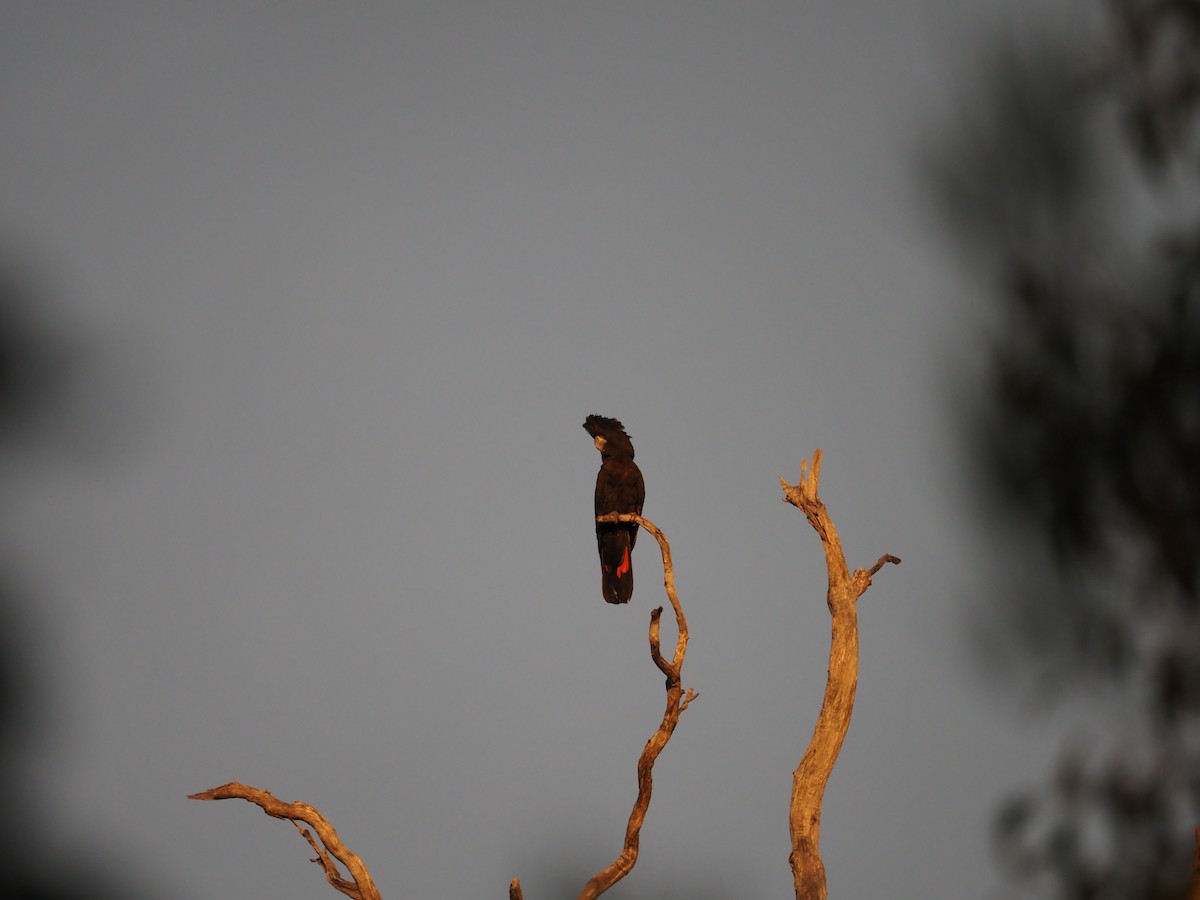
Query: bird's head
<point x="609" y="436"/>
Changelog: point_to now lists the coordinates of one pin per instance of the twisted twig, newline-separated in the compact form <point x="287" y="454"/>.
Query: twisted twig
<point x="359" y="886"/>
<point x="677" y="702"/>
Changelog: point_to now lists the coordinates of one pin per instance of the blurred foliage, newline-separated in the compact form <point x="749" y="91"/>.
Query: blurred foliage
<point x="38" y="363"/>
<point x="1074" y="188"/>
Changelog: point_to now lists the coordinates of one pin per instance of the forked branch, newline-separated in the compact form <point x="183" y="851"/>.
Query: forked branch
<point x="327" y="845"/>
<point x="677" y="702"/>
<point x="811" y="776"/>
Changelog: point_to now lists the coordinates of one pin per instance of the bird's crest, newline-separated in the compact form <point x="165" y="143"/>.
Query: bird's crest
<point x="613" y="433"/>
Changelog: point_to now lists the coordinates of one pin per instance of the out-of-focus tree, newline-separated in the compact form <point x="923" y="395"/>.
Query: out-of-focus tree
<point x="1074" y="186"/>
<point x="40" y="360"/>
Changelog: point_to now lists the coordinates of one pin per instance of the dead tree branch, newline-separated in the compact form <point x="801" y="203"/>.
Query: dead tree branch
<point x="677" y="702"/>
<point x="330" y="847"/>
<point x="811" y="776"/>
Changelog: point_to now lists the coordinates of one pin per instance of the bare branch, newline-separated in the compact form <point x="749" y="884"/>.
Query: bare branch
<point x="359" y="885"/>
<point x="882" y="561"/>
<point x="676" y="704"/>
<point x="811" y="776"/>
<point x="668" y="577"/>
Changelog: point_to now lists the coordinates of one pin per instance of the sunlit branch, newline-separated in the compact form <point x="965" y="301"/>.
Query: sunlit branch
<point x="677" y="702"/>
<point x="811" y="776"/>
<point x="330" y="847"/>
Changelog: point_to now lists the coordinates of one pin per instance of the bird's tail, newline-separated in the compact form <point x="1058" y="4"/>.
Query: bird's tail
<point x="616" y="566"/>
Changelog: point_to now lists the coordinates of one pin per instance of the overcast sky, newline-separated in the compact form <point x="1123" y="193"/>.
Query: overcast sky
<point x="352" y="276"/>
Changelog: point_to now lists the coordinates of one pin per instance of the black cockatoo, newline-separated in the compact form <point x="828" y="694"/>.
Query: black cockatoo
<point x="619" y="488"/>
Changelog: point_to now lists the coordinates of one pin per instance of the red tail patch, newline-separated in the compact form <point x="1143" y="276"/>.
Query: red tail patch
<point x="625" y="567"/>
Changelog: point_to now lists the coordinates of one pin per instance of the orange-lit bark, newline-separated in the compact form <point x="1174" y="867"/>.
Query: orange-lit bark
<point x="811" y="776"/>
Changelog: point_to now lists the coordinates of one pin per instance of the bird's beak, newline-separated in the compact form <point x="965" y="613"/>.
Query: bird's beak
<point x="600" y="442"/>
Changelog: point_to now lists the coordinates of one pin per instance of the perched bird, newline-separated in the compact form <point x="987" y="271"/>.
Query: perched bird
<point x="619" y="488"/>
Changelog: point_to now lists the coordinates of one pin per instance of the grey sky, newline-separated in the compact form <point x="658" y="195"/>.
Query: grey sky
<point x="368" y="267"/>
